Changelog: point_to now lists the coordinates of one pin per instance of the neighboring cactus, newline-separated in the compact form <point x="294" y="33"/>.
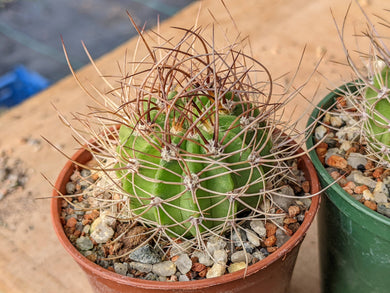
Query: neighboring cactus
<point x="372" y="97"/>
<point x="378" y="110"/>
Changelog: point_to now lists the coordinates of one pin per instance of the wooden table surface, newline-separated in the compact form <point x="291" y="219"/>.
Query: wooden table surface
<point x="31" y="258"/>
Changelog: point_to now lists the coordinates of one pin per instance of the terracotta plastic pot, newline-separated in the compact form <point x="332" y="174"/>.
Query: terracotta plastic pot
<point x="354" y="240"/>
<point x="271" y="274"/>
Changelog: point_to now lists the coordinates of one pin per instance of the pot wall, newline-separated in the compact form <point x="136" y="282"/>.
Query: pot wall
<point x="273" y="274"/>
<point x="354" y="240"/>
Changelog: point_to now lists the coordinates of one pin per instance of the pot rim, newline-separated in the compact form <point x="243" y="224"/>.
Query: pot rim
<point x="295" y="239"/>
<point x="358" y="207"/>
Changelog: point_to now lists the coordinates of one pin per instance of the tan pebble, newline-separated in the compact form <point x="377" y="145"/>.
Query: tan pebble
<point x="335" y="175"/>
<point x="270" y="241"/>
<point x="237" y="266"/>
<point x="348" y="190"/>
<point x="272" y="249"/>
<point x="203" y="273"/>
<point x="369" y="165"/>
<point x="217" y="270"/>
<point x="351" y="150"/>
<point x="378" y="172"/>
<point x="270" y="229"/>
<point x="174" y="258"/>
<point x="337" y="162"/>
<point x="71" y="222"/>
<point x="341" y="102"/>
<point x="370" y="204"/>
<point x="321" y="149"/>
<point x="350" y="184"/>
<point x="293" y="211"/>
<point x="367" y="195"/>
<point x="95" y="176"/>
<point x="289" y="220"/>
<point x="360" y="189"/>
<point x="306" y="186"/>
<point x="198" y="267"/>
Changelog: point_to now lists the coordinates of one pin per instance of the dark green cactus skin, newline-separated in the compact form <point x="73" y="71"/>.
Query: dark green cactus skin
<point x="218" y="175"/>
<point x="379" y="117"/>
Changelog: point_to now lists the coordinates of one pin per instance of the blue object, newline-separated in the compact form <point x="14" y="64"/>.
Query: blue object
<point x="19" y="84"/>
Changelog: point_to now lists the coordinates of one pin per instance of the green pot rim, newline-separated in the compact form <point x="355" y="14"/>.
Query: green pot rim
<point x="352" y="208"/>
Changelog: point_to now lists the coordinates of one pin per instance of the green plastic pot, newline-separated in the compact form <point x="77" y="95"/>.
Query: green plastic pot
<point x="354" y="241"/>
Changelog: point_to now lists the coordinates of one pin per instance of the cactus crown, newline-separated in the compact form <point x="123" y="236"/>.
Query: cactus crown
<point x="201" y="144"/>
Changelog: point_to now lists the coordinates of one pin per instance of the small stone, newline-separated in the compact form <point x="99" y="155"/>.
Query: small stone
<point x="241" y="256"/>
<point x="71" y="222"/>
<point x="359" y="189"/>
<point x="367" y="195"/>
<point x="331" y="152"/>
<point x="220" y="256"/>
<point x="378" y="172"/>
<point x="356" y="159"/>
<point x="384" y="209"/>
<point x="101" y="232"/>
<point x="249" y="247"/>
<point x="253" y="238"/>
<point x="345" y="146"/>
<point x="145" y="254"/>
<point x="70" y="188"/>
<point x="380" y="192"/>
<point x="184" y="263"/>
<point x="336" y="121"/>
<point x="282" y="201"/>
<point x="293" y="211"/>
<point x="215" y="243"/>
<point x="141" y="267"/>
<point x="183" y="278"/>
<point x="121" y="268"/>
<point x="203" y="258"/>
<point x="216" y="270"/>
<point x="259" y="255"/>
<point x="154" y="277"/>
<point x="107" y="218"/>
<point x="371" y="205"/>
<point x="165" y="268"/>
<point x="258" y="227"/>
<point x="198" y="267"/>
<point x="360" y="179"/>
<point x="270" y="241"/>
<point x="337" y="162"/>
<point x="238" y="238"/>
<point x="270" y="228"/>
<point x="84" y="243"/>
<point x="320" y="132"/>
<point x="306" y="186"/>
<point x="281" y="237"/>
<point x="237" y="266"/>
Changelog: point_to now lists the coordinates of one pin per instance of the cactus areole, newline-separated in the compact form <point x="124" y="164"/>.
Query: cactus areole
<point x="197" y="145"/>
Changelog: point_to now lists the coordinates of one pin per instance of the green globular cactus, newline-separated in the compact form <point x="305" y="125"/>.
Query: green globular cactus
<point x="193" y="160"/>
<point x="378" y="110"/>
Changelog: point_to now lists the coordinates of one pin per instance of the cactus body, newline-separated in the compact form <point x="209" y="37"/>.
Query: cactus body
<point x="378" y="109"/>
<point x="189" y="181"/>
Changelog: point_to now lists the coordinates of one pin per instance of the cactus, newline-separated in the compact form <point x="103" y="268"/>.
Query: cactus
<point x="201" y="142"/>
<point x="193" y="160"/>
